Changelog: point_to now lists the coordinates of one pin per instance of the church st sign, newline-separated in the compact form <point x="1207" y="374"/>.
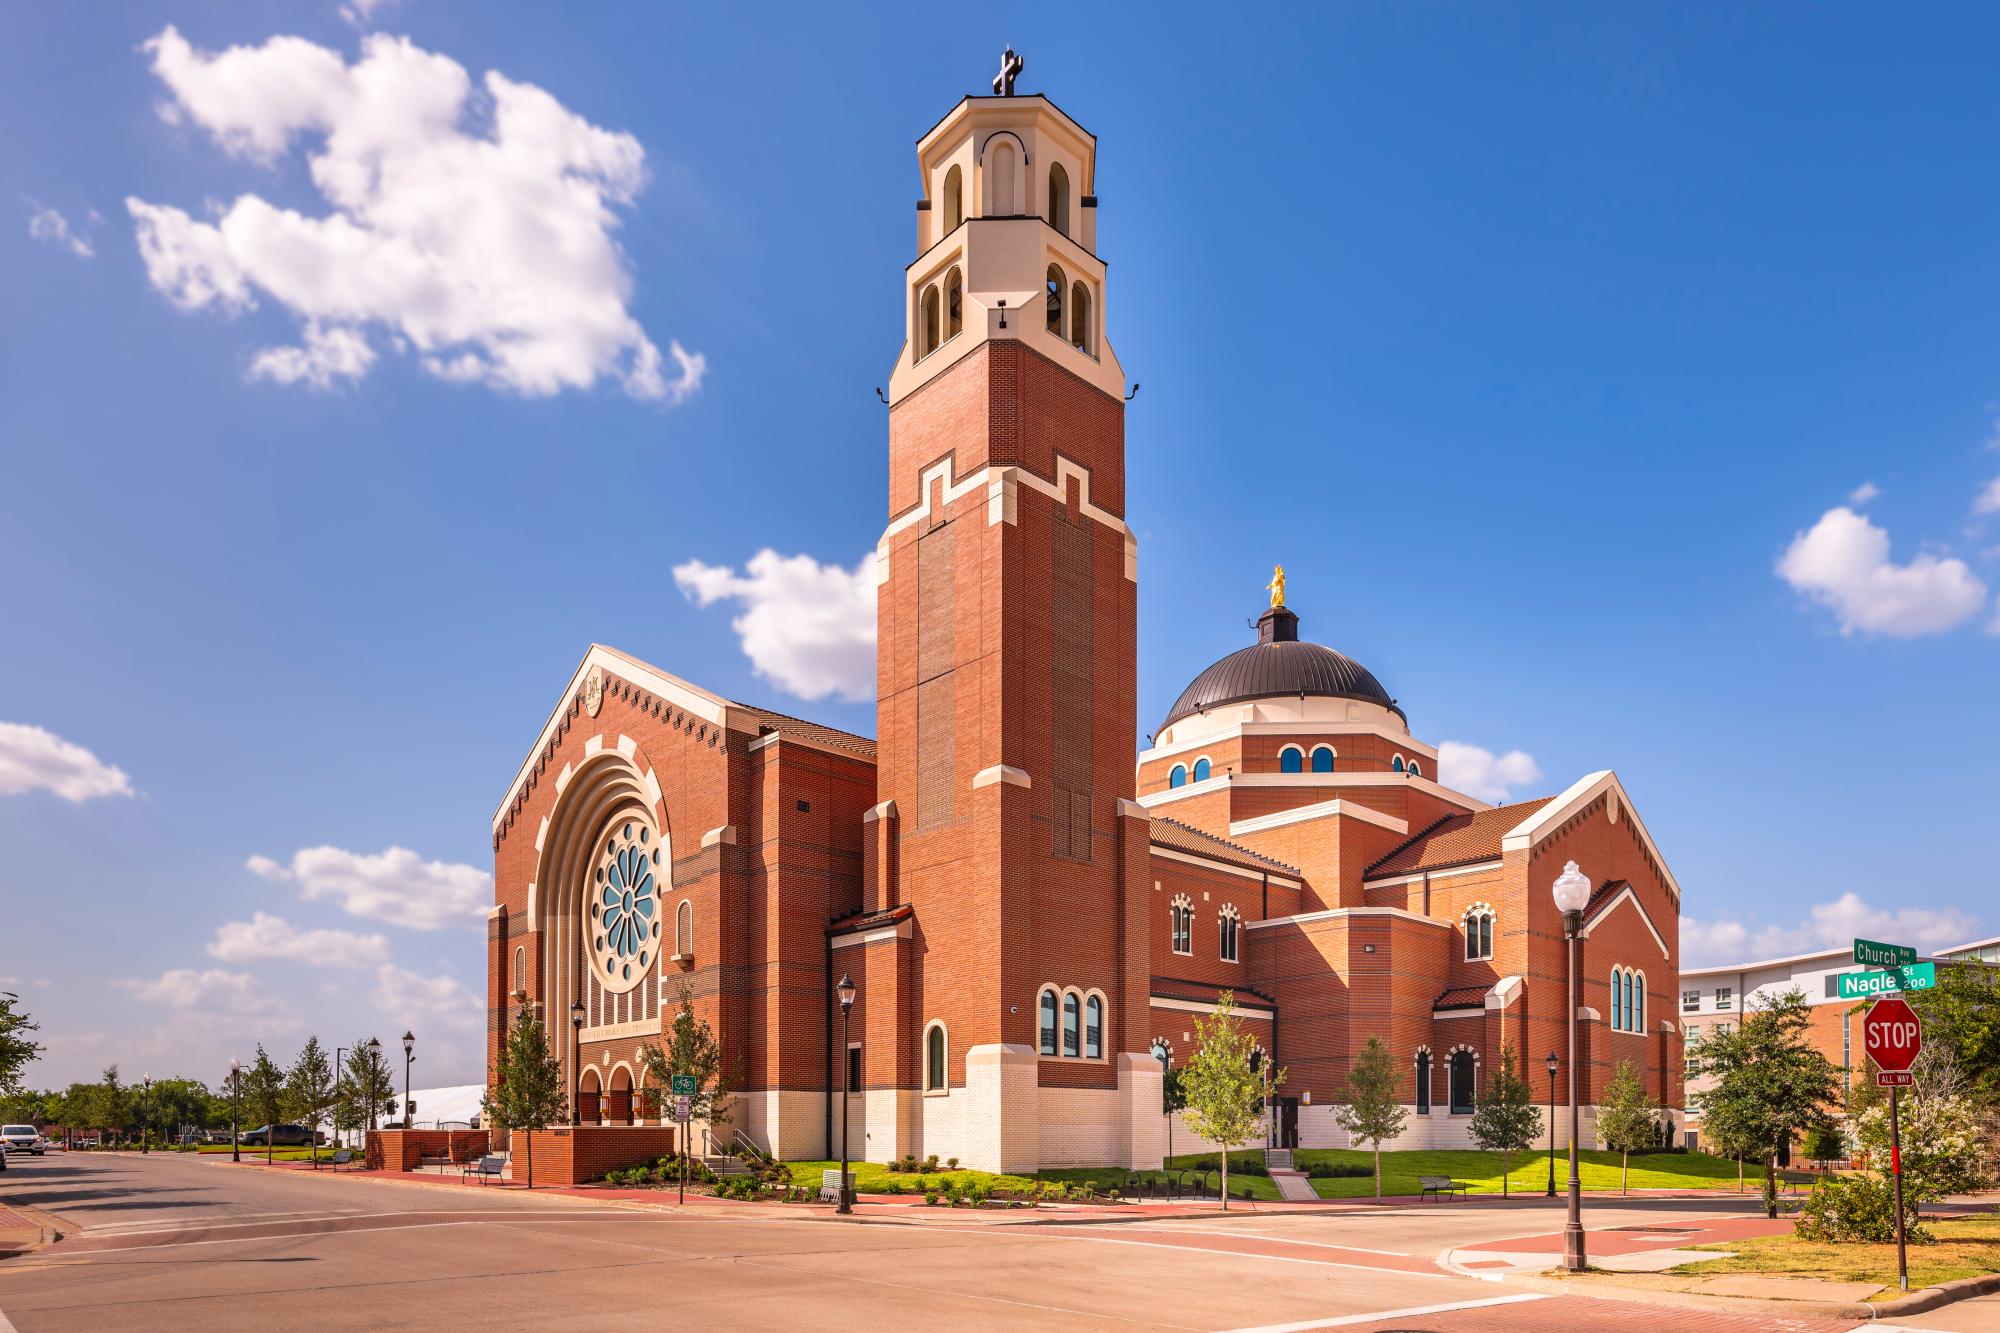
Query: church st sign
<point x="1871" y="953"/>
<point x="1867" y="985"/>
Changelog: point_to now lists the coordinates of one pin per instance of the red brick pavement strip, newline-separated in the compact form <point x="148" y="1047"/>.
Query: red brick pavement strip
<point x="1269" y="1248"/>
<point x="1616" y="1241"/>
<point x="1577" y="1314"/>
<point x="171" y="1235"/>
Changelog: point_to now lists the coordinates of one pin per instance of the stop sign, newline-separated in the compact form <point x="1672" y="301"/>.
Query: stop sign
<point x="1892" y="1034"/>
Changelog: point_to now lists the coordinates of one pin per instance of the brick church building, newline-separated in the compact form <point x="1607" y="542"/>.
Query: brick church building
<point x="1032" y="919"/>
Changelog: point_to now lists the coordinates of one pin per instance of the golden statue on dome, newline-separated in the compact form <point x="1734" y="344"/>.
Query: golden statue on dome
<point x="1277" y="585"/>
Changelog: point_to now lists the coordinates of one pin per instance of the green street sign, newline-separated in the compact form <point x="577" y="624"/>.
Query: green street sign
<point x="684" y="1085"/>
<point x="1872" y="953"/>
<point x="1867" y="985"/>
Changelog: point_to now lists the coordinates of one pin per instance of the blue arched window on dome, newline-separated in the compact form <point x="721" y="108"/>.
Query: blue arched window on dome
<point x="1397" y="764"/>
<point x="1201" y="770"/>
<point x="1178" y="778"/>
<point x="1290" y="760"/>
<point x="1323" y="759"/>
<point x="1415" y="772"/>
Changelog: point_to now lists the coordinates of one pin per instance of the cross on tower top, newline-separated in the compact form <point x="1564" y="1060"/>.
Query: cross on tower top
<point x="1010" y="70"/>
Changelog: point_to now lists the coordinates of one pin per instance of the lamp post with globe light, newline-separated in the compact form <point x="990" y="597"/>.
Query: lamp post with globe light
<point x="409" y="1056"/>
<point x="845" y="991"/>
<point x="1552" y="1124"/>
<point x="235" y="1089"/>
<point x="576" y="1063"/>
<point x="146" y="1116"/>
<point x="374" y="1096"/>
<point x="1572" y="895"/>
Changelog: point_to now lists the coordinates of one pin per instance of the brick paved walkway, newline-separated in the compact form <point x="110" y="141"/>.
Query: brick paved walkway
<point x="1574" y="1314"/>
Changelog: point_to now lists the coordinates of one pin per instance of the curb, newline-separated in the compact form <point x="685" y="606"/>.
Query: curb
<point x="1930" y="1298"/>
<point x="1917" y="1302"/>
<point x="47" y="1226"/>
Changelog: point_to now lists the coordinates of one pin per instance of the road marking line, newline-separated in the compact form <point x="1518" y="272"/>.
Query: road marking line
<point x="1249" y="1254"/>
<point x="1282" y="1240"/>
<point x="5" y="1325"/>
<point x="1409" y="1312"/>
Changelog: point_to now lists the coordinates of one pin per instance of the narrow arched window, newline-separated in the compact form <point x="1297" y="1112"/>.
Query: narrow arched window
<point x="684" y="928"/>
<point x="1072" y="1014"/>
<point x="954" y="303"/>
<point x="1228" y="924"/>
<point x="1093" y="1028"/>
<point x="1000" y="170"/>
<point x="927" y="322"/>
<point x="1201" y="770"/>
<point x="1079" y="318"/>
<point x="1472" y="937"/>
<point x="1323" y="759"/>
<point x="1059" y="198"/>
<point x="1178" y="776"/>
<point x="934" y="1062"/>
<point x="1486" y="935"/>
<point x="1397" y="764"/>
<point x="1055" y="301"/>
<point x="954" y="199"/>
<point x="1415" y="771"/>
<point x="521" y="970"/>
<point x="1617" y="1000"/>
<point x="1047" y="1014"/>
<point x="1181" y="917"/>
<point x="1639" y="1002"/>
<point x="1478" y="933"/>
<point x="1290" y="760"/>
<point x="1423" y="1082"/>
<point x="1463" y="1071"/>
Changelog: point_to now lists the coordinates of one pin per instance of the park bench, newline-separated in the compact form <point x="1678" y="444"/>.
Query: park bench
<point x="485" y="1168"/>
<point x="342" y="1158"/>
<point x="1440" y="1186"/>
<point x="829" y="1185"/>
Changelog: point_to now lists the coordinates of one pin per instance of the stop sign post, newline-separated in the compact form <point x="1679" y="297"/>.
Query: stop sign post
<point x="1892" y="1035"/>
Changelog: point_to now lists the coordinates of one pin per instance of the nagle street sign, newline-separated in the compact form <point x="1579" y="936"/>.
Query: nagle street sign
<point x="1892" y="1034"/>
<point x="1867" y="985"/>
<point x="1873" y="953"/>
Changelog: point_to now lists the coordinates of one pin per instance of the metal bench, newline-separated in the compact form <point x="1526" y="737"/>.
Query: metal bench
<point x="1441" y="1186"/>
<point x="341" y="1158"/>
<point x="829" y="1185"/>
<point x="488" y="1167"/>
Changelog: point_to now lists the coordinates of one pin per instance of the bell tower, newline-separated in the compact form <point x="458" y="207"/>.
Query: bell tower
<point x="1007" y="653"/>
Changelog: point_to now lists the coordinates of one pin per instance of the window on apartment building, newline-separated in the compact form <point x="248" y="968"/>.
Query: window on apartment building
<point x="1847" y="1046"/>
<point x="1093" y="1028"/>
<point x="1229" y="921"/>
<point x="1047" y="1007"/>
<point x="1724" y="997"/>
<point x="1464" y="1069"/>
<point x="1693" y="1035"/>
<point x="1722" y="1029"/>
<point x="1182" y="917"/>
<point x="1423" y="1082"/>
<point x="1690" y="1001"/>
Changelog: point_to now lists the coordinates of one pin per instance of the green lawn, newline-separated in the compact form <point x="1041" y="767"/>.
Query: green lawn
<point x="1480" y="1171"/>
<point x="1965" y="1247"/>
<point x="874" y="1178"/>
<point x="277" y="1154"/>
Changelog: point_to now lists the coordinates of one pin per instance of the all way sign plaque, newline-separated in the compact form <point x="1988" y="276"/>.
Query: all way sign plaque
<point x="1867" y="985"/>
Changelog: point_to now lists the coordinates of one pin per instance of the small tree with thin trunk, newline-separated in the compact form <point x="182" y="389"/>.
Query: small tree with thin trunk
<point x="1224" y="1094"/>
<point x="1506" y="1119"/>
<point x="527" y="1091"/>
<point x="691" y="1048"/>
<point x="1625" y="1119"/>
<point x="309" y="1090"/>
<point x="1173" y="1098"/>
<point x="1372" y="1109"/>
<point x="264" y="1092"/>
<point x="1770" y="1082"/>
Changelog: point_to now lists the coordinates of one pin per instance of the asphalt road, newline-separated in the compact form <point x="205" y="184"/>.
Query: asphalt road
<point x="168" y="1242"/>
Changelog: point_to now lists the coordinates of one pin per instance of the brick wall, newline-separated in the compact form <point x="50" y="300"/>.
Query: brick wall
<point x="405" y="1149"/>
<point x="586" y="1152"/>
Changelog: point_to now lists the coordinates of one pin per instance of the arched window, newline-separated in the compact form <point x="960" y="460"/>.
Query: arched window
<point x="1638" y="1001"/>
<point x="954" y="199"/>
<point x="1079" y="318"/>
<point x="1201" y="770"/>
<point x="1464" y="1070"/>
<point x="1291" y="759"/>
<point x="1617" y="999"/>
<point x="934" y="1059"/>
<point x="684" y="929"/>
<point x="1093" y="1028"/>
<point x="1415" y="770"/>
<point x="1072" y="1015"/>
<point x="1047" y="1014"/>
<point x="521" y="970"/>
<point x="1323" y="759"/>
<point x="1000" y="171"/>
<point x="1182" y="917"/>
<point x="1424" y="1081"/>
<point x="954" y="303"/>
<point x="1163" y="1051"/>
<point x="1478" y="932"/>
<point x="1397" y="764"/>
<point x="1055" y="300"/>
<point x="927" y="322"/>
<point x="1229" y="921"/>
<point x="1178" y="777"/>
<point x="1059" y="198"/>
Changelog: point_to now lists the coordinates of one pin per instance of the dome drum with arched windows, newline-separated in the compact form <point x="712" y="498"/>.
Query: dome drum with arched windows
<point x="1280" y="665"/>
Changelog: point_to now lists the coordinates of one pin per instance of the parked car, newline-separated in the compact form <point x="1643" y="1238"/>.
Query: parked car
<point x="22" y="1138"/>
<point x="281" y="1136"/>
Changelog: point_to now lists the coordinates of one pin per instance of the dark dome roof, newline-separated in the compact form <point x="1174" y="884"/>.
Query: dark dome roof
<point x="1278" y="665"/>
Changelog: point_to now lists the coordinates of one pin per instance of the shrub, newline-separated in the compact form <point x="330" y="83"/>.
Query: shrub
<point x="1337" y="1170"/>
<point x="893" y="1187"/>
<point x="931" y="1162"/>
<point x="951" y="1163"/>
<point x="952" y="1190"/>
<point x="1857" y="1208"/>
<point x="931" y="1197"/>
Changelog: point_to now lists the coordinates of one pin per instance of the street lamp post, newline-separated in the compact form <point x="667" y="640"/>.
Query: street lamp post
<point x="338" y="1052"/>
<point x="845" y="990"/>
<point x="1552" y="1125"/>
<point x="374" y="1097"/>
<point x="1572" y="894"/>
<point x="576" y="1062"/>
<point x="409" y="1055"/>
<point x="146" y="1115"/>
<point x="235" y="1087"/>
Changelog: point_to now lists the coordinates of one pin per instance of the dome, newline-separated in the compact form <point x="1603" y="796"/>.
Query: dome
<point x="1279" y="665"/>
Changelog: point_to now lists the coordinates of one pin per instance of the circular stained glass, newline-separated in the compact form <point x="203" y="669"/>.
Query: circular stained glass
<point x="622" y="911"/>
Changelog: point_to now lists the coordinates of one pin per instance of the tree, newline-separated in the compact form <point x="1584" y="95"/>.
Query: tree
<point x="692" y="1048"/>
<point x="1946" y="1136"/>
<point x="1372" y="1110"/>
<point x="1769" y="1082"/>
<point x="1173" y="1097"/>
<point x="527" y="1091"/>
<point x="16" y="1050"/>
<point x="1824" y="1145"/>
<point x="176" y="1103"/>
<point x="1224" y="1094"/>
<point x="1505" y="1120"/>
<point x="367" y="1088"/>
<point x="264" y="1094"/>
<point x="309" y="1090"/>
<point x="1962" y="1014"/>
<point x="1625" y="1119"/>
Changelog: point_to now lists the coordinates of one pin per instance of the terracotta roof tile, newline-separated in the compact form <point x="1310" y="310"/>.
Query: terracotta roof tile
<point x="1460" y="997"/>
<point x="1455" y="840"/>
<point x="1205" y="992"/>
<point x="812" y="732"/>
<point x="1186" y="838"/>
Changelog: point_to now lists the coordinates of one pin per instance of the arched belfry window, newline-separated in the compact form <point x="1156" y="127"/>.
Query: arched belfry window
<point x="927" y="322"/>
<point x="1396" y="765"/>
<point x="954" y="199"/>
<point x="954" y="303"/>
<point x="1291" y="760"/>
<point x="1178" y="777"/>
<point x="1046" y="1015"/>
<point x="1323" y="759"/>
<point x="1201" y="770"/>
<point x="1055" y="311"/>
<point x="1003" y="165"/>
<point x="1079" y="317"/>
<point x="1059" y="198"/>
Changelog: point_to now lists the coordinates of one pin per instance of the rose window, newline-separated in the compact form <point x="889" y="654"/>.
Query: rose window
<point x="624" y="917"/>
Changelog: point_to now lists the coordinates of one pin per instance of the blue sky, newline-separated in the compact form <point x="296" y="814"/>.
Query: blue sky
<point x="1547" y="348"/>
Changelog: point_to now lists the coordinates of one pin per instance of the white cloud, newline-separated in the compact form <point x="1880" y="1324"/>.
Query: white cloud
<point x="362" y="12"/>
<point x="396" y="886"/>
<point x="474" y="225"/>
<point x="414" y="995"/>
<point x="1863" y="493"/>
<point x="1843" y="563"/>
<point x="806" y="627"/>
<point x="214" y="989"/>
<point x="45" y="224"/>
<point x="1477" y="771"/>
<point x="32" y="758"/>
<point x="1988" y="500"/>
<point x="1827" y="925"/>
<point x="273" y="937"/>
